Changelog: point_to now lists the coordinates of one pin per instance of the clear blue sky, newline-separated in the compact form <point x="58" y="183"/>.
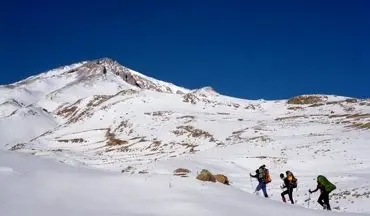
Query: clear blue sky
<point x="250" y="49"/>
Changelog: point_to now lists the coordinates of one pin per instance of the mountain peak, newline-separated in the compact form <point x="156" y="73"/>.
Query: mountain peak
<point x="138" y="80"/>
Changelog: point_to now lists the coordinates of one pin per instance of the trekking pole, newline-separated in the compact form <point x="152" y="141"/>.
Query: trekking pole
<point x="250" y="178"/>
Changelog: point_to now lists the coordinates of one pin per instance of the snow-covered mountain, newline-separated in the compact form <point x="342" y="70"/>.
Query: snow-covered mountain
<point x="103" y="115"/>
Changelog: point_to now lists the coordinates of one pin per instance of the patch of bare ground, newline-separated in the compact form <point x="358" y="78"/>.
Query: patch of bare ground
<point x="160" y="115"/>
<point x="191" y="132"/>
<point x="239" y="131"/>
<point x="307" y="99"/>
<point x="300" y="116"/>
<point x="126" y="92"/>
<point x="236" y="136"/>
<point x="190" y="147"/>
<point x="338" y="115"/>
<point x="223" y="113"/>
<point x="112" y="140"/>
<point x="356" y="116"/>
<point x="80" y="116"/>
<point x="18" y="146"/>
<point x="122" y="126"/>
<point x="360" y="125"/>
<point x="345" y="194"/>
<point x="290" y="117"/>
<point x="187" y="118"/>
<point x="333" y="102"/>
<point x="276" y="160"/>
<point x="57" y="150"/>
<point x="143" y="172"/>
<point x="359" y="116"/>
<point x="316" y="105"/>
<point x="295" y="108"/>
<point x="139" y="139"/>
<point x="98" y="99"/>
<point x="129" y="169"/>
<point x="154" y="146"/>
<point x="182" y="172"/>
<point x="316" y="134"/>
<point x="235" y="105"/>
<point x="44" y="134"/>
<point x="343" y="122"/>
<point x="250" y="107"/>
<point x="351" y="100"/>
<point x="260" y="138"/>
<point x="321" y="151"/>
<point x="319" y="115"/>
<point x="67" y="111"/>
<point x="190" y="98"/>
<point x="71" y="113"/>
<point x="76" y="140"/>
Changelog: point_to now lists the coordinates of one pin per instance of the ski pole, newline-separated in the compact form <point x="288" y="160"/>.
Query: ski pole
<point x="309" y="199"/>
<point x="250" y="178"/>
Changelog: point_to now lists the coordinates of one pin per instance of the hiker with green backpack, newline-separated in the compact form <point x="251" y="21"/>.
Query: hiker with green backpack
<point x="326" y="187"/>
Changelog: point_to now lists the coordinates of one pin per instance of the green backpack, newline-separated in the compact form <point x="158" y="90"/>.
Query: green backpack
<point x="328" y="186"/>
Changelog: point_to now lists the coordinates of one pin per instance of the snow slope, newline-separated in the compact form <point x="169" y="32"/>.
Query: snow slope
<point x="34" y="186"/>
<point x="100" y="114"/>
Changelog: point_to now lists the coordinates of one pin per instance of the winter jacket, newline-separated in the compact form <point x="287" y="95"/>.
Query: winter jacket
<point x="259" y="174"/>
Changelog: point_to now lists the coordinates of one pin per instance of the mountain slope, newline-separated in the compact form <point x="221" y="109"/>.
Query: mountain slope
<point x="101" y="114"/>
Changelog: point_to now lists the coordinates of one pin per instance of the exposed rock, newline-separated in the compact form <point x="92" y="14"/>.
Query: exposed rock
<point x="192" y="132"/>
<point x="295" y="108"/>
<point x="76" y="140"/>
<point x="222" y="179"/>
<point x="181" y="172"/>
<point x="128" y="169"/>
<point x="351" y="100"/>
<point x="112" y="140"/>
<point x="307" y="99"/>
<point x="206" y="175"/>
<point x="17" y="147"/>
<point x="190" y="98"/>
<point x="105" y="65"/>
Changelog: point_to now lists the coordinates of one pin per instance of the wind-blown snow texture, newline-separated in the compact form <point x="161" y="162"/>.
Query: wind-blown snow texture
<point x="99" y="114"/>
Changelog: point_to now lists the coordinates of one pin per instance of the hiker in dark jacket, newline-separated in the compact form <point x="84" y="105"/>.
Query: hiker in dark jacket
<point x="260" y="174"/>
<point x="289" y="185"/>
<point x="324" y="194"/>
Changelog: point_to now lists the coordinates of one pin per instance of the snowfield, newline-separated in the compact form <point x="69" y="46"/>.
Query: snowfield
<point x="34" y="186"/>
<point x="97" y="138"/>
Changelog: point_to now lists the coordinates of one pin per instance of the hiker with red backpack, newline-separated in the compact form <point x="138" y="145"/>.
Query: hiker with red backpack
<point x="290" y="182"/>
<point x="326" y="187"/>
<point x="263" y="177"/>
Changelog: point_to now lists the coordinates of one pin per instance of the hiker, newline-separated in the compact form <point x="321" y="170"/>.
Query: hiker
<point x="263" y="177"/>
<point x="290" y="182"/>
<point x="325" y="187"/>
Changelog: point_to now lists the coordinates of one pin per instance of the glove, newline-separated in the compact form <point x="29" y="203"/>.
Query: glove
<point x="310" y="191"/>
<point x="282" y="187"/>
